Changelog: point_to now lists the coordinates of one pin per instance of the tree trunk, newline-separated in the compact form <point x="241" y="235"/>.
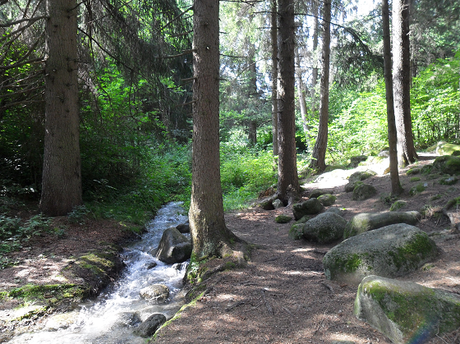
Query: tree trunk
<point x="274" y="38"/>
<point x="396" y="188"/>
<point x="287" y="164"/>
<point x="61" y="182"/>
<point x="206" y="215"/>
<point x="253" y="95"/>
<point x="401" y="82"/>
<point x="319" y="151"/>
<point x="301" y="95"/>
<point x="314" y="74"/>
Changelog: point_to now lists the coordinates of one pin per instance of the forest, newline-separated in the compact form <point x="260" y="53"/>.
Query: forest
<point x="124" y="132"/>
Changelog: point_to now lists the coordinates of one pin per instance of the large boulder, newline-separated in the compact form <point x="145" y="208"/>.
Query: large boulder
<point x="309" y="207"/>
<point x="174" y="247"/>
<point x="368" y="221"/>
<point x="363" y="191"/>
<point x="324" y="228"/>
<point x="444" y="148"/>
<point x="447" y="164"/>
<point x="149" y="326"/>
<point x="155" y="293"/>
<point x="390" y="251"/>
<point x="406" y="312"/>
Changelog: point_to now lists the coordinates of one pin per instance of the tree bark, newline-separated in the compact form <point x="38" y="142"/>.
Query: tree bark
<point x="61" y="181"/>
<point x="301" y="95"/>
<point x="319" y="151"/>
<point x="314" y="74"/>
<point x="287" y="163"/>
<point x="274" y="39"/>
<point x="396" y="188"/>
<point x="401" y="82"/>
<point x="208" y="230"/>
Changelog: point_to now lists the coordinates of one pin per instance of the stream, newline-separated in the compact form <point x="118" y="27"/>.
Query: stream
<point x="112" y="317"/>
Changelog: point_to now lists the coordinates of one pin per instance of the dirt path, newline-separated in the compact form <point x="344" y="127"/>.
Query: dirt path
<point x="283" y="295"/>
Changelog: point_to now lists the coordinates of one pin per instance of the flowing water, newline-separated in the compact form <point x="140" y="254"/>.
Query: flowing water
<point x="110" y="318"/>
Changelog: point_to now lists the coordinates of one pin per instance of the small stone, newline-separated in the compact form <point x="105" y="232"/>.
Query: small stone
<point x="283" y="219"/>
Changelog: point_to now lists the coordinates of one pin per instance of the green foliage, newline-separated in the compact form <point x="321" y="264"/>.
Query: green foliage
<point x="244" y="173"/>
<point x="434" y="101"/>
<point x="14" y="233"/>
<point x="358" y="124"/>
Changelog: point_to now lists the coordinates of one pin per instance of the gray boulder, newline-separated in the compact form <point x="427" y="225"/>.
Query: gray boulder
<point x="390" y="251"/>
<point x="403" y="310"/>
<point x="327" y="199"/>
<point x="324" y="228"/>
<point x="127" y="319"/>
<point x="361" y="175"/>
<point x="336" y="210"/>
<point x="318" y="192"/>
<point x="309" y="207"/>
<point x="149" y="326"/>
<point x="174" y="247"/>
<point x="444" y="148"/>
<point x="362" y="192"/>
<point x="156" y="293"/>
<point x="368" y="221"/>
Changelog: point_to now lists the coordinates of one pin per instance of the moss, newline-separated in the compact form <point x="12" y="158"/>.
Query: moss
<point x="415" y="179"/>
<point x="398" y="205"/>
<point x="352" y="263"/>
<point x="420" y="248"/>
<point x="413" y="171"/>
<point x="417" y="189"/>
<point x="283" y="219"/>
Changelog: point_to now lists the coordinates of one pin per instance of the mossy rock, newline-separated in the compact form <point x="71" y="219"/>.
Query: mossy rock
<point x="317" y="192"/>
<point x="447" y="164"/>
<point x="283" y="219"/>
<point x="327" y="199"/>
<point x="415" y="179"/>
<point x="296" y="231"/>
<point x="414" y="170"/>
<point x="310" y="207"/>
<point x="398" y="205"/>
<point x="365" y="222"/>
<point x="406" y="312"/>
<point x="444" y="148"/>
<point x="418" y="189"/>
<point x="361" y="175"/>
<point x="324" y="228"/>
<point x="390" y="251"/>
<point x="363" y="192"/>
<point x="96" y="269"/>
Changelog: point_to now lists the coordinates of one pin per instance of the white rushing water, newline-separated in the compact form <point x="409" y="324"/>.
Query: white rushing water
<point x="108" y="319"/>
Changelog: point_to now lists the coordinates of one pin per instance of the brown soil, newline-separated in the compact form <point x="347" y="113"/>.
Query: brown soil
<point x="282" y="296"/>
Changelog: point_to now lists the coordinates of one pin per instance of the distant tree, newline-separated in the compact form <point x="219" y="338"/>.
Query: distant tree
<point x="396" y="188"/>
<point x="210" y="235"/>
<point x="274" y="58"/>
<point x="287" y="163"/>
<point x="61" y="180"/>
<point x="402" y="82"/>
<point x="319" y="151"/>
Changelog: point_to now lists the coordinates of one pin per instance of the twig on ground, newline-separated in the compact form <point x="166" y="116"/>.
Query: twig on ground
<point x="269" y="308"/>
<point x="327" y="286"/>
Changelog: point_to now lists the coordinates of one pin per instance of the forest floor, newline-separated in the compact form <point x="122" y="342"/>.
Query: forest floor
<point x="282" y="296"/>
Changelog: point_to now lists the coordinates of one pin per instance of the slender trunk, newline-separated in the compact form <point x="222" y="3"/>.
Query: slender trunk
<point x="206" y="215"/>
<point x="301" y="95"/>
<point x="401" y="82"/>
<point x="253" y="95"/>
<point x="314" y="74"/>
<point x="319" y="151"/>
<point x="396" y="188"/>
<point x="287" y="166"/>
<point x="61" y="183"/>
<point x="274" y="39"/>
